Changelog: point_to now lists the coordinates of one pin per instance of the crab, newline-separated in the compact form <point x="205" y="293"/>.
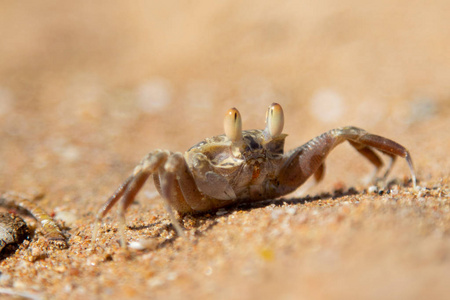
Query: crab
<point x="241" y="166"/>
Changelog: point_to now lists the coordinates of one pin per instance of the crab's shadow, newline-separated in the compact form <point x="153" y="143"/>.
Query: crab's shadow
<point x="302" y="200"/>
<point x="201" y="223"/>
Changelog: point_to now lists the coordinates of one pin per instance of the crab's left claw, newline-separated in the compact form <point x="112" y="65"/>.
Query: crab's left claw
<point x="216" y="186"/>
<point x="210" y="182"/>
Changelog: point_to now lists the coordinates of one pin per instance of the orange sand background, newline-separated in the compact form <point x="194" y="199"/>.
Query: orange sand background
<point x="88" y="88"/>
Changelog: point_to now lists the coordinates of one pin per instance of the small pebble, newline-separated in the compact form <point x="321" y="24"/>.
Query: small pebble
<point x="221" y="212"/>
<point x="145" y="244"/>
<point x="68" y="217"/>
<point x="291" y="210"/>
<point x="372" y="189"/>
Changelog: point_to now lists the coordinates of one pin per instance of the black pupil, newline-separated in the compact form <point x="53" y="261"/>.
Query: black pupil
<point x="251" y="141"/>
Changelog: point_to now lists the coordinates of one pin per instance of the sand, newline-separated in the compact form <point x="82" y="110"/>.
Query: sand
<point x="87" y="89"/>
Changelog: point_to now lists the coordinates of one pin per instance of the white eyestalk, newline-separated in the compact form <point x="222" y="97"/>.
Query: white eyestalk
<point x="274" y="120"/>
<point x="233" y="125"/>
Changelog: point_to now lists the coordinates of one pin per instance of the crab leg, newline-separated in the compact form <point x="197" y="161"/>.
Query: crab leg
<point x="320" y="173"/>
<point x="306" y="160"/>
<point x="128" y="190"/>
<point x="386" y="146"/>
<point x="178" y="186"/>
<point x="128" y="197"/>
<point x="171" y="193"/>
<point x="113" y="199"/>
<point x="107" y="207"/>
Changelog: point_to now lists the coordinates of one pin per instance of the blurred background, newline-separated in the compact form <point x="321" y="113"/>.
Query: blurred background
<point x="87" y="88"/>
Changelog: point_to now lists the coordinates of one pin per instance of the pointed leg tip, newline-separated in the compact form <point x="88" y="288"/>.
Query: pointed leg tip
<point x="123" y="242"/>
<point x="179" y="230"/>
<point x="415" y="186"/>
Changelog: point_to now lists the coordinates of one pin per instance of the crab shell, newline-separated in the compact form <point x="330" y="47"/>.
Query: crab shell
<point x="235" y="166"/>
<point x="225" y="171"/>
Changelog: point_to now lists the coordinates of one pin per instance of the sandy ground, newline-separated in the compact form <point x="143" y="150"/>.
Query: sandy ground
<point x="87" y="89"/>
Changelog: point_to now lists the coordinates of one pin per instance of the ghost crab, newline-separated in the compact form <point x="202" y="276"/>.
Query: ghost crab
<point x="241" y="166"/>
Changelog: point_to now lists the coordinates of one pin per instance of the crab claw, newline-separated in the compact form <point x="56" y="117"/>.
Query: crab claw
<point x="274" y="120"/>
<point x="233" y="125"/>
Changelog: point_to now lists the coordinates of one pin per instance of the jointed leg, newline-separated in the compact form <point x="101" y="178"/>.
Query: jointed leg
<point x="128" y="190"/>
<point x="128" y="197"/>
<point x="373" y="157"/>
<point x="387" y="146"/>
<point x="320" y="173"/>
<point x="107" y="206"/>
<point x="170" y="194"/>
<point x="368" y="153"/>
<point x="307" y="160"/>
<point x="173" y="181"/>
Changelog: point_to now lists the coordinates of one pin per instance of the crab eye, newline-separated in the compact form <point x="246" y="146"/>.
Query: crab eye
<point x="233" y="125"/>
<point x="274" y="120"/>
